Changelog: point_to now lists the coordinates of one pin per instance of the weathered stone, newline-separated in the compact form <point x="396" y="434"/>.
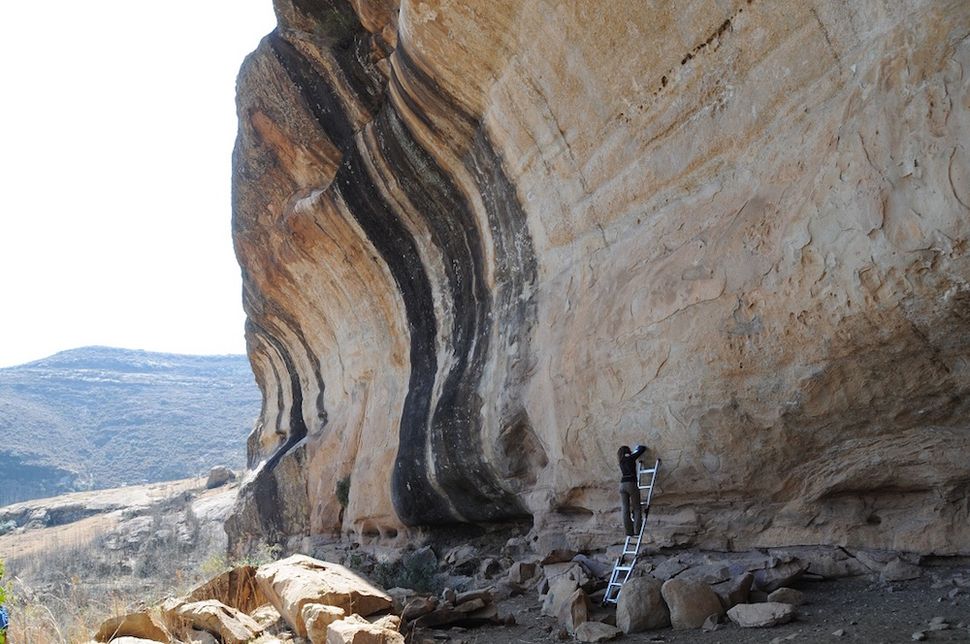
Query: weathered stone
<point x="779" y="573"/>
<point x="218" y="476"/>
<point x="708" y="574"/>
<point x="690" y="602"/>
<point x="574" y="611"/>
<point x="463" y="560"/>
<point x="440" y="255"/>
<point x="296" y="581"/>
<point x="489" y="568"/>
<point x="136" y="640"/>
<point x="641" y="607"/>
<point x="787" y="596"/>
<point x="899" y="570"/>
<point x="201" y="637"/>
<point x="558" y="556"/>
<point x="417" y="607"/>
<point x="232" y="626"/>
<point x="596" y="632"/>
<point x="236" y="588"/>
<point x="761" y="615"/>
<point x="354" y="629"/>
<point x="400" y="597"/>
<point x="734" y="591"/>
<point x="669" y="568"/>
<point x="522" y="572"/>
<point x="318" y="618"/>
<point x="268" y="618"/>
<point x="559" y="592"/>
<point x="144" y="625"/>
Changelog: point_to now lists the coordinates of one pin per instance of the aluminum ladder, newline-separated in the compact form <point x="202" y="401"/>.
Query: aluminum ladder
<point x="623" y="567"/>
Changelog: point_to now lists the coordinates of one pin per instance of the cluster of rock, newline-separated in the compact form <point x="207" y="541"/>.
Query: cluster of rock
<point x="295" y="598"/>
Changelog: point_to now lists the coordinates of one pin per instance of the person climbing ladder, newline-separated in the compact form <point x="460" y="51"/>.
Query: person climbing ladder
<point x="629" y="489"/>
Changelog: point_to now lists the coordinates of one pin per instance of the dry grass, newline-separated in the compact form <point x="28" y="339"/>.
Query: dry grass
<point x="66" y="580"/>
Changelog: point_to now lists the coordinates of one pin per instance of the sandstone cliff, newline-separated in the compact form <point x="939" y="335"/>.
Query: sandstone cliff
<point x="485" y="243"/>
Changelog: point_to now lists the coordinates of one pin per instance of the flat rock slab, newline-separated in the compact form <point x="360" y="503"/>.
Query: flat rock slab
<point x="142" y="625"/>
<point x="597" y="632"/>
<point x="293" y="582"/>
<point x="761" y="615"/>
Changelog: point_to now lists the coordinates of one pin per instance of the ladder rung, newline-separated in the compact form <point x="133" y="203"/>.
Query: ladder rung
<point x="624" y="568"/>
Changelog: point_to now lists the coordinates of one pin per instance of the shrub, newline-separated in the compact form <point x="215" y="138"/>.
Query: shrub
<point x="343" y="491"/>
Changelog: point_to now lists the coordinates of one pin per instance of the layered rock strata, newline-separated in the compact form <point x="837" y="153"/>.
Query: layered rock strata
<point x="484" y="244"/>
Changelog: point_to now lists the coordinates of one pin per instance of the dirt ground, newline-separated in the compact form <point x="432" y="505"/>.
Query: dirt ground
<point x="844" y="610"/>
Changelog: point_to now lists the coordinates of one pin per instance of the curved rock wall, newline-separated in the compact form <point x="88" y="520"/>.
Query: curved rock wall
<point x="483" y="244"/>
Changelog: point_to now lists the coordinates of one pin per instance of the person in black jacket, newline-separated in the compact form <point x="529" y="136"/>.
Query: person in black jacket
<point x="629" y="489"/>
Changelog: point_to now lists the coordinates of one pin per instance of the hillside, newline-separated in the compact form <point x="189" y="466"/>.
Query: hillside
<point x="101" y="417"/>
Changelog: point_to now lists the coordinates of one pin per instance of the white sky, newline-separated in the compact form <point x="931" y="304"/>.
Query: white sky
<point x="117" y="121"/>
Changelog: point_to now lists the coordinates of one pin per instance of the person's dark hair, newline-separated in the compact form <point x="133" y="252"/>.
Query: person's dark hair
<point x="623" y="451"/>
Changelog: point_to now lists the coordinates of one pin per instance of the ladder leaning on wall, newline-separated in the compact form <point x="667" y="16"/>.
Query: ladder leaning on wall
<point x="625" y="563"/>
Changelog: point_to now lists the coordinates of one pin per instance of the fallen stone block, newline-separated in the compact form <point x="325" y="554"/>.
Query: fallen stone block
<point x="232" y="626"/>
<point x="761" y="615"/>
<point x="292" y="583"/>
<point x="144" y="625"/>
<point x="596" y="632"/>
<point x="690" y="602"/>
<point x="641" y="606"/>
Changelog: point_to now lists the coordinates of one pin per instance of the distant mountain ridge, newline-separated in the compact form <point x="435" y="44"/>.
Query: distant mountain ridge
<point x="100" y="417"/>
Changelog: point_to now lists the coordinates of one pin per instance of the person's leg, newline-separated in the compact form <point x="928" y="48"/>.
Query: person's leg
<point x="625" y="508"/>
<point x="637" y="510"/>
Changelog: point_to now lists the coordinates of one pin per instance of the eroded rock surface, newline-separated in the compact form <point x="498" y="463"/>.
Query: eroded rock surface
<point x="483" y="244"/>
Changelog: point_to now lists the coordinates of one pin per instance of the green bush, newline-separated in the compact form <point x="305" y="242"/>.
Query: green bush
<point x="343" y="491"/>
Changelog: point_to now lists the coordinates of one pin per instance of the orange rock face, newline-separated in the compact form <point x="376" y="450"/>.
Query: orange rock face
<point x="484" y="244"/>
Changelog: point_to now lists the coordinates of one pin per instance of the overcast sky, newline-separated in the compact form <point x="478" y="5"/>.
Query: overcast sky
<point x="118" y="123"/>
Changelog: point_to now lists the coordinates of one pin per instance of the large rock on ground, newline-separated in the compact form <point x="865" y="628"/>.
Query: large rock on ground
<point x="144" y="625"/>
<point x="236" y="588"/>
<point x="575" y="611"/>
<point x="485" y="243"/>
<point x="354" y="629"/>
<point x="293" y="582"/>
<point x="318" y="619"/>
<point x="641" y="606"/>
<point x="761" y="615"/>
<point x="232" y="626"/>
<point x="690" y="602"/>
<point x="597" y="632"/>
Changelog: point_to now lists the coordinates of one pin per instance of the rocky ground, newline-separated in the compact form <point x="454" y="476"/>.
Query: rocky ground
<point x="76" y="560"/>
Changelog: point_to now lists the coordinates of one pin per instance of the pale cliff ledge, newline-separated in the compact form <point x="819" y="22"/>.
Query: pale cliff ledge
<point x="484" y="243"/>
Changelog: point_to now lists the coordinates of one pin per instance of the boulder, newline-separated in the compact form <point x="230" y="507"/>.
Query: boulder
<point x="574" y="611"/>
<point x="354" y="629"/>
<point x="669" y="569"/>
<point x="136" y="640"/>
<point x="787" y="596"/>
<point x="735" y="590"/>
<point x="522" y="572"/>
<point x="268" y="618"/>
<point x="296" y="581"/>
<point x="641" y="606"/>
<point x="318" y="618"/>
<point x="232" y="626"/>
<point x="489" y="568"/>
<point x="561" y="555"/>
<point x="709" y="574"/>
<point x="463" y="560"/>
<point x="899" y="570"/>
<point x="200" y="637"/>
<point x="236" y="588"/>
<point x="780" y="572"/>
<point x="418" y="607"/>
<point x="144" y="625"/>
<point x="596" y="632"/>
<point x="559" y="591"/>
<point x="218" y="476"/>
<point x="690" y="602"/>
<point x="761" y="615"/>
